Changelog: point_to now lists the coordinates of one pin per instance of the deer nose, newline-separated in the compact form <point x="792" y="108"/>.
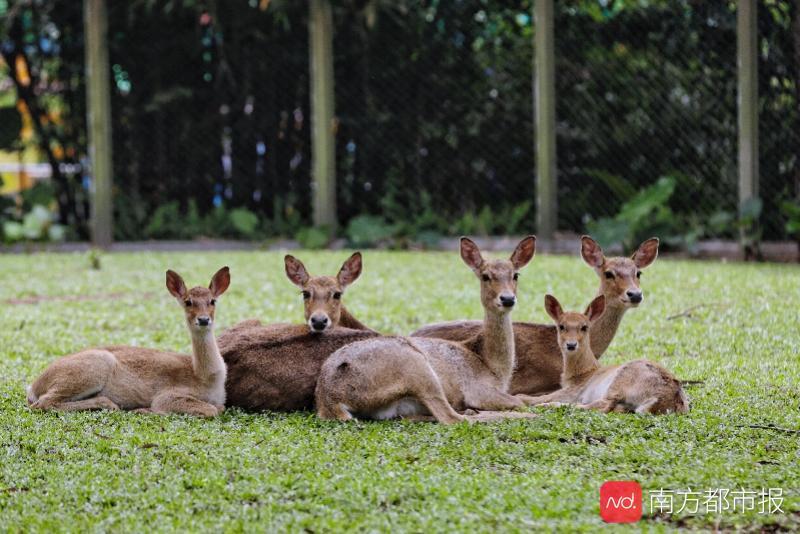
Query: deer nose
<point x="572" y="345"/>
<point x="508" y="301"/>
<point x="319" y="323"/>
<point x="203" y="321"/>
<point x="634" y="296"/>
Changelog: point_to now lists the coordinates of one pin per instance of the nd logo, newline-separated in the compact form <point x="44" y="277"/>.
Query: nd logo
<point x="621" y="501"/>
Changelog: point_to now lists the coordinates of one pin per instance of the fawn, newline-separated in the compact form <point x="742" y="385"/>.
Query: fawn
<point x="322" y="297"/>
<point x="146" y="380"/>
<point x="388" y="377"/>
<point x="539" y="361"/>
<point x="275" y="366"/>
<point x="640" y="386"/>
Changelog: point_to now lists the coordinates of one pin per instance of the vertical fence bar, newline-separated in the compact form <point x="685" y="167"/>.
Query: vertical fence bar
<point x="323" y="147"/>
<point x="747" y="60"/>
<point x="98" y="110"/>
<point x="544" y="117"/>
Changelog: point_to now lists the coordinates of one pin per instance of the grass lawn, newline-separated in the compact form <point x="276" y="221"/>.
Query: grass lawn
<point x="100" y="471"/>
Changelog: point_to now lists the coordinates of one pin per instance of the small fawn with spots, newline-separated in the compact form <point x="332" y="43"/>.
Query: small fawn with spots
<point x="640" y="386"/>
<point x="388" y="377"/>
<point x="146" y="380"/>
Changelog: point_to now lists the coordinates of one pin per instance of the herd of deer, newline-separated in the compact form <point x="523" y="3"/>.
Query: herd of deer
<point x="447" y="372"/>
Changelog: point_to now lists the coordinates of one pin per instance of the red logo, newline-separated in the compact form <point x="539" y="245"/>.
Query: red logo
<point x="621" y="501"/>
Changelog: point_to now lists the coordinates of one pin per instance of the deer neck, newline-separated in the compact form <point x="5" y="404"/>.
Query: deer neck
<point x="498" y="346"/>
<point x="579" y="366"/>
<point x="206" y="359"/>
<point x="605" y="327"/>
<point x="346" y="320"/>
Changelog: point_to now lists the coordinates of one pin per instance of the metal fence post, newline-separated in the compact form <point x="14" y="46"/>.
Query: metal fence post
<point x="323" y="146"/>
<point x="544" y="117"/>
<point x="98" y="109"/>
<point x="747" y="60"/>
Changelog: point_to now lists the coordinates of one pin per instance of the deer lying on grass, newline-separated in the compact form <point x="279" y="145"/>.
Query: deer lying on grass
<point x="640" y="386"/>
<point x="129" y="378"/>
<point x="539" y="361"/>
<point x="275" y="366"/>
<point x="321" y="295"/>
<point x="388" y="377"/>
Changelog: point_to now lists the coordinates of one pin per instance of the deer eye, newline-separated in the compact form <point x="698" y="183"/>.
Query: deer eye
<point x="188" y="303"/>
<point x="485" y="277"/>
<point x="561" y="327"/>
<point x="306" y="295"/>
<point x="337" y="295"/>
<point x="638" y="274"/>
<point x="213" y="302"/>
<point x="584" y="328"/>
<point x="609" y="275"/>
<point x="516" y="276"/>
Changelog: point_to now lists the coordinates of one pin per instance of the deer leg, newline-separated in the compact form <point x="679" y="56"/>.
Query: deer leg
<point x="647" y="406"/>
<point x="561" y="396"/>
<point x="333" y="411"/>
<point x="603" y="405"/>
<point x="173" y="402"/>
<point x="441" y="409"/>
<point x="491" y="398"/>
<point x="74" y="382"/>
<point x="52" y="402"/>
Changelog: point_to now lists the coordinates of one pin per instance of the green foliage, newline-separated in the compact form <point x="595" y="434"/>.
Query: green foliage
<point x="369" y="231"/>
<point x="244" y="472"/>
<point x="312" y="238"/>
<point x="35" y="225"/>
<point x="645" y="215"/>
<point x="168" y="221"/>
<point x="244" y="222"/>
<point x="791" y="210"/>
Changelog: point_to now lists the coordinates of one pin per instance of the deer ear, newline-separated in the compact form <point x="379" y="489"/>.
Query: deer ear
<point x="295" y="270"/>
<point x="596" y="308"/>
<point x="646" y="253"/>
<point x="175" y="285"/>
<point x="591" y="252"/>
<point x="350" y="271"/>
<point x="220" y="281"/>
<point x="524" y="252"/>
<point x="553" y="307"/>
<point x="471" y="254"/>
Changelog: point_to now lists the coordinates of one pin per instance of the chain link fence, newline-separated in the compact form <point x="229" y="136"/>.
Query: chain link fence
<point x="433" y="100"/>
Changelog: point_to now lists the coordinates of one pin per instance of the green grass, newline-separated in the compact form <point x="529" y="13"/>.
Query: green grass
<point x="126" y="472"/>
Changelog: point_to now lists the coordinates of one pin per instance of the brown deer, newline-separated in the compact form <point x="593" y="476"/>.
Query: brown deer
<point x="322" y="298"/>
<point x="388" y="377"/>
<point x="539" y="362"/>
<point x="146" y="380"/>
<point x="275" y="366"/>
<point x="640" y="386"/>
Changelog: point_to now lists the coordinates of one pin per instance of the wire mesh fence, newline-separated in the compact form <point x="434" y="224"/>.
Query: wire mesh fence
<point x="434" y="116"/>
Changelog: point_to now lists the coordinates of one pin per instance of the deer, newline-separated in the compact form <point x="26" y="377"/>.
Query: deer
<point x="322" y="297"/>
<point x="275" y="367"/>
<point x="640" y="386"/>
<point x="141" y="379"/>
<point x="539" y="362"/>
<point x="389" y="377"/>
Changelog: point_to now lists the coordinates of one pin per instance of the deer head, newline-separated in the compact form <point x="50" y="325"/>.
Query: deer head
<point x="322" y="295"/>
<point x="619" y="276"/>
<point x="199" y="303"/>
<point x="498" y="277"/>
<point x="573" y="327"/>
